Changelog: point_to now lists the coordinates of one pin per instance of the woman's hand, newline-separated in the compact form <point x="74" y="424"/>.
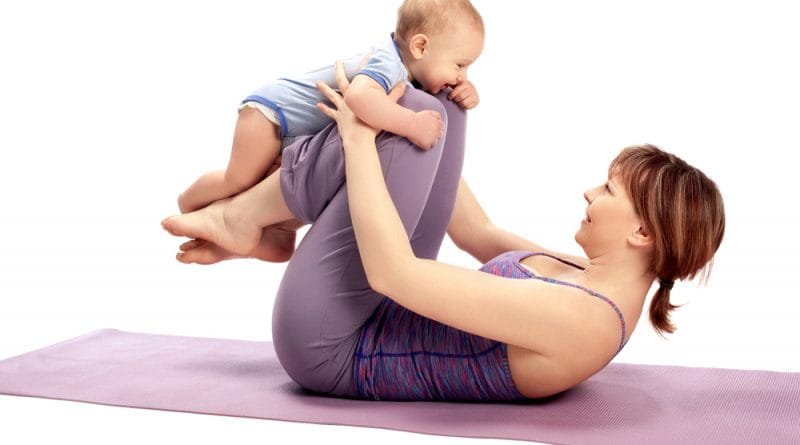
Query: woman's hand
<point x="350" y="126"/>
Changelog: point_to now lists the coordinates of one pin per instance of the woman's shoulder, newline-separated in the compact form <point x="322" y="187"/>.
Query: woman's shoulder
<point x="566" y="327"/>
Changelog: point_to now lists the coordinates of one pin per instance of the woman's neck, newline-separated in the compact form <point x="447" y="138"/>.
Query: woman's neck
<point x="625" y="275"/>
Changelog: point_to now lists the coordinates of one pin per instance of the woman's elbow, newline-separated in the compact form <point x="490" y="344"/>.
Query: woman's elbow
<point x="378" y="276"/>
<point x="385" y="278"/>
<point x="462" y="243"/>
<point x="376" y="281"/>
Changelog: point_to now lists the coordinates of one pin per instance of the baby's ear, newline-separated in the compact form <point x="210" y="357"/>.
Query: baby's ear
<point x="418" y="45"/>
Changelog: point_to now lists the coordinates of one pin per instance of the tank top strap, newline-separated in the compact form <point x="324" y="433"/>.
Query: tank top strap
<point x="518" y="256"/>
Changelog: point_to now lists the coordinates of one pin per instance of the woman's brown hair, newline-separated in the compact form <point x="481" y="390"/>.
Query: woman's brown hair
<point x="682" y="210"/>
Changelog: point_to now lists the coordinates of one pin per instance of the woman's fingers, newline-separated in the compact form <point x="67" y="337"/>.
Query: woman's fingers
<point x="341" y="77"/>
<point x="348" y="123"/>
<point x="326" y="110"/>
<point x="332" y="95"/>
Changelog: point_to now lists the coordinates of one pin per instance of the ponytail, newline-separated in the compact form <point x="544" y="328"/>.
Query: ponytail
<point x="660" y="308"/>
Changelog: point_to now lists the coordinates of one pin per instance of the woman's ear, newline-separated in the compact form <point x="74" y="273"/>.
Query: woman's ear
<point x="640" y="237"/>
<point x="418" y="45"/>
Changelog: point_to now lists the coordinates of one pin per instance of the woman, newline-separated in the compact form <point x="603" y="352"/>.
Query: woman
<point x="446" y="332"/>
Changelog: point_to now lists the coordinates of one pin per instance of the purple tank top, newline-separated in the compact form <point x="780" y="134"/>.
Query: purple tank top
<point x="509" y="265"/>
<point x="404" y="356"/>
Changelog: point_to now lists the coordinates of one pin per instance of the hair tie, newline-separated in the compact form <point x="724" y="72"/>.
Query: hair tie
<point x="666" y="283"/>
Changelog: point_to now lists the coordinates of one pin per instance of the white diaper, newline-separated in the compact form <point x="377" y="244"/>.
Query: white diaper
<point x="271" y="116"/>
<point x="269" y="113"/>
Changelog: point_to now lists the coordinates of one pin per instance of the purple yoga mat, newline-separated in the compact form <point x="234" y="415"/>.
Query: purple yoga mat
<point x="622" y="404"/>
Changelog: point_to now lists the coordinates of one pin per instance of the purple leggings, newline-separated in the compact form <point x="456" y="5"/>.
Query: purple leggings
<point x="324" y="298"/>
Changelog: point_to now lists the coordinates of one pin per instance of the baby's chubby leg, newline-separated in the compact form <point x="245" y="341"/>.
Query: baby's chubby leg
<point x="256" y="143"/>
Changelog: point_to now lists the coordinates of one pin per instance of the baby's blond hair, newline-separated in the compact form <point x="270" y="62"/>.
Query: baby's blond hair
<point x="430" y="16"/>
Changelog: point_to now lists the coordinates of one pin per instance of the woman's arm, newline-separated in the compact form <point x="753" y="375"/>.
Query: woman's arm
<point x="531" y="314"/>
<point x="525" y="313"/>
<point x="473" y="232"/>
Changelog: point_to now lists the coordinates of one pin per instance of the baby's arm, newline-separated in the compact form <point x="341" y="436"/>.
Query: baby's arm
<point x="371" y="104"/>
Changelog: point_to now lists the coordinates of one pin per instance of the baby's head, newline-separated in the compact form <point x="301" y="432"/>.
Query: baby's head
<point x="438" y="40"/>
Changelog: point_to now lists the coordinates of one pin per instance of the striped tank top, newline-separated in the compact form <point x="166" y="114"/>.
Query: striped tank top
<point x="404" y="356"/>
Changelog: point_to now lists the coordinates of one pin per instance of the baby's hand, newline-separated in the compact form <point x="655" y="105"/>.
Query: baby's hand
<point x="465" y="95"/>
<point x="428" y="127"/>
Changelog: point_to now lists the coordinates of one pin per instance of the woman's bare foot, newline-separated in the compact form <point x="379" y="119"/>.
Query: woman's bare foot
<point x="276" y="245"/>
<point x="198" y="251"/>
<point x="221" y="223"/>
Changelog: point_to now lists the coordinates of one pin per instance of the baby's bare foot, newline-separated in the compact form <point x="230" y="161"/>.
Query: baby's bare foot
<point x="184" y="205"/>
<point x="219" y="223"/>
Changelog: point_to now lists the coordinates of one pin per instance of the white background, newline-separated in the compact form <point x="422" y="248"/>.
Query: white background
<point x="109" y="109"/>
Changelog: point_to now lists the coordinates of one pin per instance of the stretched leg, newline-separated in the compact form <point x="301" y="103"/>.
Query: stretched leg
<point x="256" y="143"/>
<point x="324" y="298"/>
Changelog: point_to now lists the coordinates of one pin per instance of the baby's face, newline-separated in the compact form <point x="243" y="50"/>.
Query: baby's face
<point x="449" y="56"/>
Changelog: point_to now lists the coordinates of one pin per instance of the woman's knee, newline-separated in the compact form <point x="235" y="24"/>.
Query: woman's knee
<point x="452" y="114"/>
<point x="455" y="114"/>
<point x="417" y="100"/>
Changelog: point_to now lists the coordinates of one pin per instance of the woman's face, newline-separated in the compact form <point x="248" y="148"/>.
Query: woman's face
<point x="610" y="219"/>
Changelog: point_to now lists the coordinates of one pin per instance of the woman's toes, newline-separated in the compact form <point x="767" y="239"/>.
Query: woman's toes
<point x="203" y="252"/>
<point x="191" y="244"/>
<point x="194" y="256"/>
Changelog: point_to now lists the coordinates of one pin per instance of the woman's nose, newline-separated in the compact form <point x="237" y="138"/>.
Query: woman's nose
<point x="587" y="195"/>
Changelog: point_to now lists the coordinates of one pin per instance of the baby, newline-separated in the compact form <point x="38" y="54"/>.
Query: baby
<point x="434" y="43"/>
